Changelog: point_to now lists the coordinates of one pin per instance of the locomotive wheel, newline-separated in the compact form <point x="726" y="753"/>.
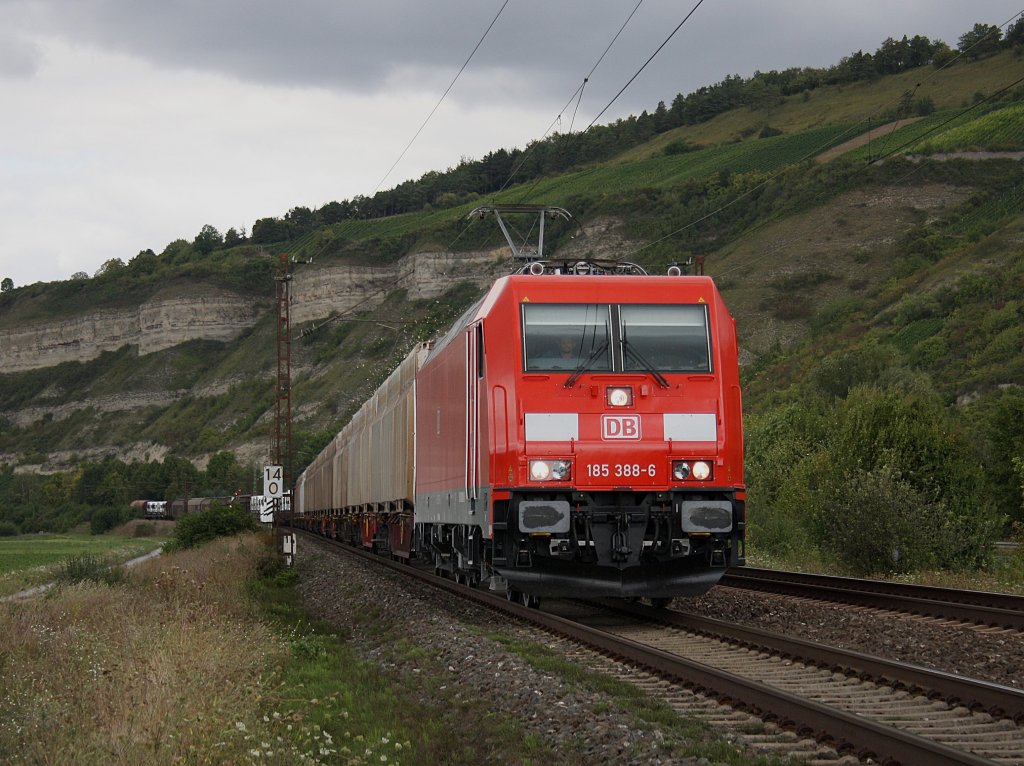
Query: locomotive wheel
<point x="513" y="595"/>
<point x="661" y="602"/>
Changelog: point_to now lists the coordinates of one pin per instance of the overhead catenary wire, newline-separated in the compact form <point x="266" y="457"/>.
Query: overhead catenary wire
<point x="579" y="91"/>
<point x="577" y="96"/>
<point x="443" y="96"/>
<point x="644" y="66"/>
<point x="629" y="82"/>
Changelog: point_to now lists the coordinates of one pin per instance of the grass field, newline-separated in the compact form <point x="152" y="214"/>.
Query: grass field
<point x="30" y="560"/>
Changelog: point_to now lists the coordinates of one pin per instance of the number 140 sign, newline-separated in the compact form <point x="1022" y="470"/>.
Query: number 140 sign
<point x="273" y="481"/>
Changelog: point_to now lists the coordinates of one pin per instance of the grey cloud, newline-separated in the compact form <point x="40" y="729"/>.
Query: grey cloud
<point x="355" y="46"/>
<point x="19" y="58"/>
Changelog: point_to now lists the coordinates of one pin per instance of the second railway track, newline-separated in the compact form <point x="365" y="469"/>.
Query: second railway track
<point x="983" y="608"/>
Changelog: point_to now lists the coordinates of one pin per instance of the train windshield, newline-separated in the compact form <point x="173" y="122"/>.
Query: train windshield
<point x="566" y="336"/>
<point x="667" y="338"/>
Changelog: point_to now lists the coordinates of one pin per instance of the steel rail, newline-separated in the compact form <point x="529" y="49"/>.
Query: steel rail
<point x="995" y="699"/>
<point x="982" y="607"/>
<point x="847" y="731"/>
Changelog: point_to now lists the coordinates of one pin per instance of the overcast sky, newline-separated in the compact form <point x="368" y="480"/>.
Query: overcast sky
<point x="126" y="124"/>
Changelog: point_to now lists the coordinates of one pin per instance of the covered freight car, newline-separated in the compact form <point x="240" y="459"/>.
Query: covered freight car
<point x="361" y="486"/>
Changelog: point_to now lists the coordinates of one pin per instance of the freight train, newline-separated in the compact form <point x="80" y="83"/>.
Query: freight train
<point x="577" y="432"/>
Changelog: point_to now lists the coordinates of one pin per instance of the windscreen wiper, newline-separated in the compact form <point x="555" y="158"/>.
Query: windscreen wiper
<point x="598" y="350"/>
<point x="644" y="364"/>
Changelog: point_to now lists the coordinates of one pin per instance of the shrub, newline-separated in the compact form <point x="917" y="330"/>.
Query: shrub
<point x="838" y="373"/>
<point x="681" y="147"/>
<point x="8" y="529"/>
<point x="882" y="481"/>
<point x="899" y="456"/>
<point x="88" y="568"/>
<point x="216" y="521"/>
<point x="105" y="519"/>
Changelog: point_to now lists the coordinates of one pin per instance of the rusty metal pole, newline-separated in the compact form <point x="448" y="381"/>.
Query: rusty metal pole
<point x="283" y="399"/>
<point x="283" y="407"/>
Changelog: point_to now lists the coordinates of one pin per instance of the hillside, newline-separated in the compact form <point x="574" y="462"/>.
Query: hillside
<point x="912" y="262"/>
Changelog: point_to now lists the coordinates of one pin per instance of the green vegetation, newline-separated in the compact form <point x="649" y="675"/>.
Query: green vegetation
<point x="368" y="711"/>
<point x="92" y="670"/>
<point x="89" y="568"/>
<point x="216" y="521"/>
<point x="155" y="671"/>
<point x="100" y="493"/>
<point x="1001" y="130"/>
<point x="32" y="560"/>
<point x="30" y="552"/>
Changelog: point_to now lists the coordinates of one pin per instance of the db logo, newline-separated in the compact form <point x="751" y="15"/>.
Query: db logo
<point x="620" y="427"/>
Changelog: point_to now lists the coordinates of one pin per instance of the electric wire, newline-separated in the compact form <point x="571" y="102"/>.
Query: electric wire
<point x="526" y="194"/>
<point x="577" y="95"/>
<point x="599" y="60"/>
<point x="443" y="95"/>
<point x="649" y="60"/>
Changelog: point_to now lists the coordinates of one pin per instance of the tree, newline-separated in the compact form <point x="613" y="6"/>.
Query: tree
<point x="145" y="262"/>
<point x="981" y="40"/>
<point x="110" y="266"/>
<point x="6" y="285"/>
<point x="268" y="230"/>
<point x="207" y="240"/>
<point x="224" y="476"/>
<point x="79" y="275"/>
<point x="1014" y="34"/>
<point x="232" y="237"/>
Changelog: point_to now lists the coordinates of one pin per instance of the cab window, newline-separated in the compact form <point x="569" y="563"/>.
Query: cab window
<point x="668" y="338"/>
<point x="566" y="336"/>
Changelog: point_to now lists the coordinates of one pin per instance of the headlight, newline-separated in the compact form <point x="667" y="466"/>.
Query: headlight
<point x="698" y="470"/>
<point x="550" y="470"/>
<point x="561" y="470"/>
<point x="621" y="396"/>
<point x="701" y="471"/>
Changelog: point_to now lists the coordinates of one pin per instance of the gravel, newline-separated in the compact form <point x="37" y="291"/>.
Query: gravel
<point x="454" y="635"/>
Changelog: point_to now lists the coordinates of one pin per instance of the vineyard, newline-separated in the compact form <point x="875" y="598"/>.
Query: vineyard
<point x="998" y="131"/>
<point x="764" y="156"/>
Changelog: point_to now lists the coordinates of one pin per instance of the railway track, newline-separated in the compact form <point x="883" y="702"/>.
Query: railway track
<point x="878" y="710"/>
<point x="1001" y="610"/>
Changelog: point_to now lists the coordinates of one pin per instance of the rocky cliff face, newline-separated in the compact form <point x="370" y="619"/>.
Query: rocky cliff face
<point x="319" y="292"/>
<point x="153" y="326"/>
<point x="209" y="314"/>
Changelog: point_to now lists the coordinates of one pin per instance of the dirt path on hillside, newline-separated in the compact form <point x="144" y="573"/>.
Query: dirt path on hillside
<point x="863" y="139"/>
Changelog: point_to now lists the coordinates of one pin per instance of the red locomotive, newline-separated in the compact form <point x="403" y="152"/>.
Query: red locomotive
<point x="574" y="435"/>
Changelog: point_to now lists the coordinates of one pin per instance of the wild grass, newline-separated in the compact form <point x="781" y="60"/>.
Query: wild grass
<point x="155" y="670"/>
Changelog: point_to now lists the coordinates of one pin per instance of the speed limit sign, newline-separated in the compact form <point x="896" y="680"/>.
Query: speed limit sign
<point x="273" y="481"/>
